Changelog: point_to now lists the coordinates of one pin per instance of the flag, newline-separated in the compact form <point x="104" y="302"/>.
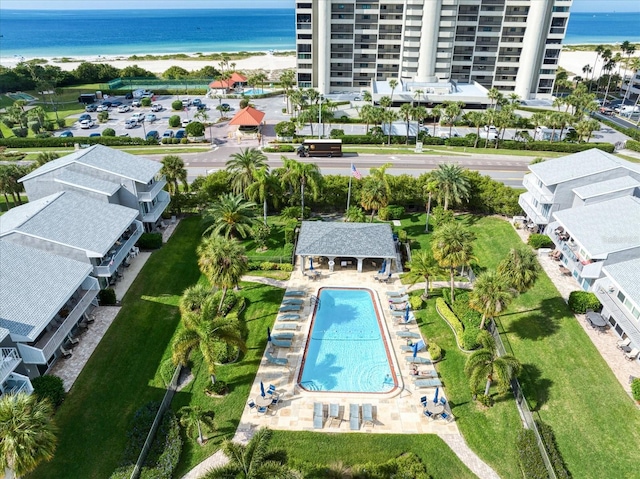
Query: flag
<point x="356" y="174"/>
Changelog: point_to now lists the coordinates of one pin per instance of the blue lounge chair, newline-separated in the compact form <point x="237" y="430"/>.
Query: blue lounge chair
<point x="280" y="343"/>
<point x="290" y="307"/>
<point x="295" y="292"/>
<point x="271" y="389"/>
<point x="406" y="335"/>
<point x="408" y="349"/>
<point x="354" y="417"/>
<point x="318" y="415"/>
<point x="289" y="317"/>
<point x="280" y="336"/>
<point x="398" y="313"/>
<point x="292" y="301"/>
<point x="399" y="299"/>
<point x="367" y="414"/>
<point x="274" y="360"/>
<point x="286" y="326"/>
<point x="417" y="360"/>
<point x="427" y="383"/>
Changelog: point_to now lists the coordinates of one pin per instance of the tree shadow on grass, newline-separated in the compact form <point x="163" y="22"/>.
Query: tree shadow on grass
<point x="541" y="323"/>
<point x="535" y="387"/>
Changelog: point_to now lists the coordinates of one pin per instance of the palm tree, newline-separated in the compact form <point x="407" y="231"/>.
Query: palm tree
<point x="252" y="461"/>
<point x="634" y="66"/>
<point x="367" y="97"/>
<point x="380" y="174"/>
<point x="477" y="119"/>
<point x="266" y="185"/>
<point x="173" y="169"/>
<point x="204" y="329"/>
<point x="494" y="95"/>
<point x="452" y="110"/>
<point x="520" y="269"/>
<point x="490" y="295"/>
<point x="367" y="114"/>
<point x="297" y="174"/>
<point x="422" y="267"/>
<point x="538" y="119"/>
<point x="599" y="51"/>
<point x="452" y="184"/>
<point x="193" y="417"/>
<point x="485" y="364"/>
<point x="389" y="117"/>
<point x="27" y="432"/>
<point x="393" y="84"/>
<point x="231" y="215"/>
<point x="243" y="167"/>
<point x="436" y="113"/>
<point x="452" y="247"/>
<point x="287" y="81"/>
<point x="373" y="195"/>
<point x="406" y="112"/>
<point x="418" y="94"/>
<point x="45" y="157"/>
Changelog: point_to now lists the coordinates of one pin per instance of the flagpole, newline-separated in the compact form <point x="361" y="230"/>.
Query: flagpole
<point x="349" y="193"/>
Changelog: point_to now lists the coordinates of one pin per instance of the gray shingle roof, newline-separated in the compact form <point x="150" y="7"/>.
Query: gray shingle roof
<point x="318" y="238"/>
<point x="3" y="334"/>
<point x="87" y="182"/>
<point x="604" y="227"/>
<point x="579" y="165"/>
<point x="34" y="284"/>
<point x="105" y="159"/>
<point x="604" y="187"/>
<point x="627" y="275"/>
<point x="76" y="220"/>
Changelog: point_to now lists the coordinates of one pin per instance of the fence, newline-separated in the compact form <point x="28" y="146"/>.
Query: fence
<point x="166" y="402"/>
<point x="523" y="407"/>
<point x="151" y="83"/>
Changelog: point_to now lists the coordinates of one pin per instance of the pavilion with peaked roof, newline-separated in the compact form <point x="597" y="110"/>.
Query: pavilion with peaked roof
<point x="236" y="80"/>
<point x="249" y="122"/>
<point x="345" y="241"/>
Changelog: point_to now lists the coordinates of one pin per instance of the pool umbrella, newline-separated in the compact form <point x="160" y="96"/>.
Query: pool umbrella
<point x="268" y="334"/>
<point x="415" y="349"/>
<point x="406" y="313"/>
<point x="383" y="266"/>
<point x="262" y="389"/>
<point x="435" y="398"/>
<point x="311" y="264"/>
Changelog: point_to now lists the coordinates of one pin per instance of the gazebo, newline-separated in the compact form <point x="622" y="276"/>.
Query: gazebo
<point x="346" y="240"/>
<point x="248" y="121"/>
<point x="224" y="86"/>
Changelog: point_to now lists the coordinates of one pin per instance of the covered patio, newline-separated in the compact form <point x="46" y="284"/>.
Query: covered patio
<point x="344" y="243"/>
<point x="249" y="122"/>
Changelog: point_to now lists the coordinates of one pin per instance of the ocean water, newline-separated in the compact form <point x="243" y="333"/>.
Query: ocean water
<point x="594" y="28"/>
<point x="128" y="32"/>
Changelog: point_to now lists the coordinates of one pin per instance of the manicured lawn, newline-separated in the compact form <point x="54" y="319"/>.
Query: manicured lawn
<point x="3" y="203"/>
<point x="117" y="380"/>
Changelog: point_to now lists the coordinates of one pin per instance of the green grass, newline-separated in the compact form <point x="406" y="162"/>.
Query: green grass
<point x="117" y="379"/>
<point x="274" y="274"/>
<point x="161" y="150"/>
<point x="632" y="159"/>
<point x="11" y="204"/>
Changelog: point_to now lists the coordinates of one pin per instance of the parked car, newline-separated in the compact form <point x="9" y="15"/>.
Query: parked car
<point x="84" y="116"/>
<point x="180" y="134"/>
<point x="116" y="103"/>
<point x="66" y="134"/>
<point x="130" y="123"/>
<point x="185" y="122"/>
<point x="150" y="117"/>
<point x="138" y="117"/>
<point x="92" y="107"/>
<point x="226" y="107"/>
<point x="86" y="124"/>
<point x="156" y="107"/>
<point x="202" y="107"/>
<point x="94" y="135"/>
<point x="124" y="108"/>
<point x="168" y="134"/>
<point x="186" y="102"/>
<point x="136" y="103"/>
<point x="128" y="96"/>
<point x="102" y="108"/>
<point x="153" y="135"/>
<point x="196" y="102"/>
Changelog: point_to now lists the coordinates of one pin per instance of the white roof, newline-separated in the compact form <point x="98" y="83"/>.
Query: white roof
<point x="605" y="227"/>
<point x="34" y="284"/>
<point x="107" y="159"/>
<point x="86" y="182"/>
<point x="579" y="165"/>
<point x="627" y="275"/>
<point x="72" y="219"/>
<point x="604" y="187"/>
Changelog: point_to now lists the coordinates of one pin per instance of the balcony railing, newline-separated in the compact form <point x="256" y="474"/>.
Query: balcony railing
<point x="162" y="202"/>
<point x="533" y="214"/>
<point x="149" y="195"/>
<point x="112" y="262"/>
<point x="606" y="293"/>
<point x="9" y="360"/>
<point x="16" y="383"/>
<point x="542" y="194"/>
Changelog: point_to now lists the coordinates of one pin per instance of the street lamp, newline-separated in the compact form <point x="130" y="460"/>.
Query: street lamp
<point x="321" y="99"/>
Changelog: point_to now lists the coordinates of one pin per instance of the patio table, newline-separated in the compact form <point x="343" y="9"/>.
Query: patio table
<point x="435" y="408"/>
<point x="263" y="400"/>
<point x="596" y="319"/>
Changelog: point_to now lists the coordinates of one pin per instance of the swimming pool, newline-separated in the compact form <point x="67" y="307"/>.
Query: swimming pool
<point x="346" y="350"/>
<point x="255" y="91"/>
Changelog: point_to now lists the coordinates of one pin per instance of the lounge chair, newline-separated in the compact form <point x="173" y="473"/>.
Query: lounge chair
<point x="295" y="292"/>
<point x="417" y="360"/>
<point x="367" y="414"/>
<point x="318" y="415"/>
<point x="292" y="301"/>
<point x="633" y="354"/>
<point x="623" y="343"/>
<point x="407" y="335"/>
<point x="396" y="294"/>
<point x="402" y="321"/>
<point x="399" y="299"/>
<point x="277" y="361"/>
<point x="290" y="307"/>
<point x="398" y="307"/>
<point x="408" y="349"/>
<point x="334" y="414"/>
<point x="289" y="317"/>
<point x="280" y="343"/>
<point x="275" y="400"/>
<point x="399" y="313"/>
<point x="383" y="278"/>
<point x="286" y="326"/>
<point x="280" y="336"/>
<point x="354" y="417"/>
<point x="65" y="352"/>
<point x="424" y="375"/>
<point x="427" y="383"/>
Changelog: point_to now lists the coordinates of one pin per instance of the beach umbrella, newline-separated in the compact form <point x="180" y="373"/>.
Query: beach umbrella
<point x="415" y="349"/>
<point x="311" y="264"/>
<point x="383" y="266"/>
<point x="435" y="398"/>
<point x="268" y="333"/>
<point x="406" y="313"/>
<point x="262" y="389"/>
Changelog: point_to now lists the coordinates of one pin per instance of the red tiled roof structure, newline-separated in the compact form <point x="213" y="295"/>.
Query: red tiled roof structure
<point x="230" y="83"/>
<point x="247" y="117"/>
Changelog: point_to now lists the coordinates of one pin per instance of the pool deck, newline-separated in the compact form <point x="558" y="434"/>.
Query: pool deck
<point x="398" y="412"/>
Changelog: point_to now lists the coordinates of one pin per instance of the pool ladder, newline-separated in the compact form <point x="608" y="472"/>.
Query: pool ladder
<point x="313" y="300"/>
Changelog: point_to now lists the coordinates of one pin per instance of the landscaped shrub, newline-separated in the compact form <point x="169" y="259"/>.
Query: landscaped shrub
<point x="230" y="299"/>
<point x="633" y="145"/>
<point x="279" y="149"/>
<point x="107" y="297"/>
<point x="539" y="241"/>
<point x="443" y="308"/>
<point x="174" y="121"/>
<point x="268" y="266"/>
<point x="150" y="241"/>
<point x="176" y="105"/>
<point x="219" y="388"/>
<point x="485" y="399"/>
<point x="529" y="457"/>
<point x="138" y="431"/>
<point x="291" y="213"/>
<point x="109" y="132"/>
<point x="195" y="128"/>
<point x="34" y="126"/>
<point x="14" y="142"/>
<point x="20" y="132"/>
<point x="165" y="450"/>
<point x="416" y="302"/>
<point x="470" y="338"/>
<point x="391" y="212"/>
<point x="402" y="236"/>
<point x="635" y="389"/>
<point x="435" y="351"/>
<point x="441" y="216"/>
<point x="289" y="234"/>
<point x="549" y="441"/>
<point x="49" y="387"/>
<point x="103" y="116"/>
<point x="469" y="317"/>
<point x="145" y="102"/>
<point x="580" y="301"/>
<point x="336" y="133"/>
<point x="285" y="267"/>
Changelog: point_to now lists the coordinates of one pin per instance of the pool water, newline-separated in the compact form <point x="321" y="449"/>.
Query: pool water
<point x="346" y="350"/>
<point x="255" y="91"/>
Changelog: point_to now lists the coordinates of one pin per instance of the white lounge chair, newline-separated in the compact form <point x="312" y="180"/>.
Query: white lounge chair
<point x="399" y="299"/>
<point x="274" y="360"/>
<point x="396" y="294"/>
<point x="65" y="352"/>
<point x="633" y="354"/>
<point x="427" y="383"/>
<point x="286" y="326"/>
<point x="623" y="343"/>
<point x="407" y="335"/>
<point x="417" y="360"/>
<point x="407" y="349"/>
<point x="334" y="414"/>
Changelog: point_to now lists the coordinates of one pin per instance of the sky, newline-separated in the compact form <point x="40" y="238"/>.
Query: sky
<point x="578" y="5"/>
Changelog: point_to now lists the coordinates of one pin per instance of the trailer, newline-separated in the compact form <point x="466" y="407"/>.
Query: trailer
<point x="87" y="98"/>
<point x="328" y="147"/>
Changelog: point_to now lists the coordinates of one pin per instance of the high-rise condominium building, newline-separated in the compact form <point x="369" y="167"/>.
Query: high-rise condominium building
<point x="512" y="45"/>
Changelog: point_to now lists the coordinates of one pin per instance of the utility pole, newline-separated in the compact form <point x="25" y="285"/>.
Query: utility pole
<point x="426" y="226"/>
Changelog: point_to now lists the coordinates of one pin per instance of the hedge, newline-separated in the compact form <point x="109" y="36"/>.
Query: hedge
<point x="150" y="241"/>
<point x="635" y="389"/>
<point x="14" y="142"/>
<point x="529" y="457"/>
<point x="279" y="149"/>
<point x="558" y="146"/>
<point x="49" y="387"/>
<point x="580" y="301"/>
<point x="633" y="145"/>
<point x="107" y="297"/>
<point x="539" y="241"/>
<point x="549" y="441"/>
<point x="391" y="212"/>
<point x="445" y="311"/>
